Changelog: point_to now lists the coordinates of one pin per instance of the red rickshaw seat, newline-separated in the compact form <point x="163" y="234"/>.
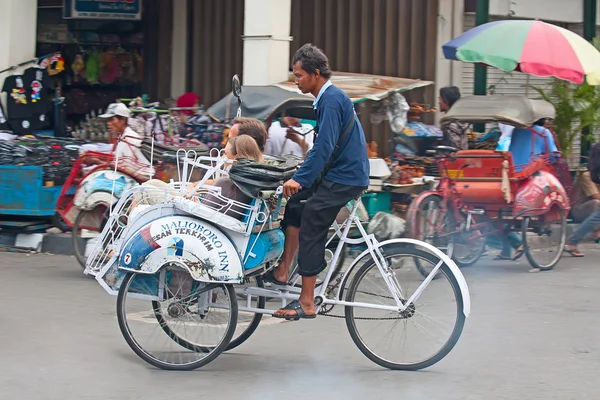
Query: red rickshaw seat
<point x="480" y="176"/>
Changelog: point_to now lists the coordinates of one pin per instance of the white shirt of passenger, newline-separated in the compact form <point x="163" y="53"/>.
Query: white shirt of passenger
<point x="278" y="145"/>
<point x="128" y="148"/>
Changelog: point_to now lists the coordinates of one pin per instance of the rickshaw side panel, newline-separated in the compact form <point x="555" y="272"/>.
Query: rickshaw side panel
<point x="538" y="195"/>
<point x="201" y="248"/>
<point x="477" y="164"/>
<point x="479" y="176"/>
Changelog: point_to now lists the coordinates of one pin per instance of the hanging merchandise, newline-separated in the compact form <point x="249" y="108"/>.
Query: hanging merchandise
<point x="78" y="68"/>
<point x="3" y="120"/>
<point x="109" y="67"/>
<point x="55" y="64"/>
<point x="92" y="67"/>
<point x="38" y="82"/>
<point x="19" y="108"/>
<point x="203" y="129"/>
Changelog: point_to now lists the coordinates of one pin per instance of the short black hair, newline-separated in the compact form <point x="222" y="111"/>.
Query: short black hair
<point x="313" y="59"/>
<point x="540" y="122"/>
<point x="450" y="94"/>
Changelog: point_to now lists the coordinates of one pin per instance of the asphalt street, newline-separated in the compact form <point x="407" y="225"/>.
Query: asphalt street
<point x="530" y="336"/>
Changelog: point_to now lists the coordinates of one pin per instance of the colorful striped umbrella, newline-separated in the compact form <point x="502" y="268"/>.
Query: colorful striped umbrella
<point x="532" y="47"/>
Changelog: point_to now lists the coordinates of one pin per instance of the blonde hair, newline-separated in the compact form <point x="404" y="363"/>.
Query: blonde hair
<point x="245" y="147"/>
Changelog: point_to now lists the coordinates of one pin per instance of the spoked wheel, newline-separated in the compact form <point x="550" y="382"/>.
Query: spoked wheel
<point x="430" y="225"/>
<point x="438" y="227"/>
<point x="466" y="247"/>
<point x="247" y="321"/>
<point x="544" y="239"/>
<point x="79" y="243"/>
<point x="173" y="322"/>
<point x="436" y="317"/>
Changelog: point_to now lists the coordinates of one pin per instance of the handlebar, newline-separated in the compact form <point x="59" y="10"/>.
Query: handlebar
<point x="267" y="194"/>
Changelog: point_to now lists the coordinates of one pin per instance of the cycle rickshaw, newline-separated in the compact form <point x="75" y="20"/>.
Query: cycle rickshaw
<point x="185" y="258"/>
<point x="482" y="192"/>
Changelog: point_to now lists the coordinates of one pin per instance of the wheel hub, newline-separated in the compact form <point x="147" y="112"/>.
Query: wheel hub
<point x="409" y="311"/>
<point x="175" y="310"/>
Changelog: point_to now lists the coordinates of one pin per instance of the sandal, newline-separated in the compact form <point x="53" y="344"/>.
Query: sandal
<point x="300" y="314"/>
<point x="519" y="253"/>
<point x="574" y="252"/>
<point x="500" y="257"/>
<point x="270" y="278"/>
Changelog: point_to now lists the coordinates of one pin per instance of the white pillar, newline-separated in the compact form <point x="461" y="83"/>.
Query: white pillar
<point x="18" y="32"/>
<point x="267" y="26"/>
<point x="450" y="25"/>
<point x="179" y="48"/>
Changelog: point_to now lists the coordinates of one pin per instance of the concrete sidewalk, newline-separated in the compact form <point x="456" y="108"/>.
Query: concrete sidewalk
<point x="61" y="243"/>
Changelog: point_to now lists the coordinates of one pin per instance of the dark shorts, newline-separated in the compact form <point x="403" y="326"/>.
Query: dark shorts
<point x="314" y="217"/>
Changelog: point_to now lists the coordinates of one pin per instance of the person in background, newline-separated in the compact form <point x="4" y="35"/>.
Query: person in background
<point x="592" y="222"/>
<point x="187" y="100"/>
<point x="523" y="147"/>
<point x="586" y="200"/>
<point x="286" y="137"/>
<point x="455" y="133"/>
<point x="128" y="151"/>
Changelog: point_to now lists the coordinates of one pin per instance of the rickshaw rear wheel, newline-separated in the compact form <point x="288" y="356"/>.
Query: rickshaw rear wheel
<point x="529" y="224"/>
<point x="212" y="352"/>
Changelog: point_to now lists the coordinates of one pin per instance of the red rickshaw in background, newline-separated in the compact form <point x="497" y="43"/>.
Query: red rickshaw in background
<point x="93" y="185"/>
<point x="482" y="192"/>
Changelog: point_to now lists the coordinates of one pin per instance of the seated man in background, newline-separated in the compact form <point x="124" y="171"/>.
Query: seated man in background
<point x="586" y="198"/>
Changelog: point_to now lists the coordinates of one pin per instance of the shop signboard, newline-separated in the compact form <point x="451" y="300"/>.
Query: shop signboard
<point x="103" y="9"/>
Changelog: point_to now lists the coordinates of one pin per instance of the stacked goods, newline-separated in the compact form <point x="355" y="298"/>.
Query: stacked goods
<point x="56" y="157"/>
<point x="428" y="163"/>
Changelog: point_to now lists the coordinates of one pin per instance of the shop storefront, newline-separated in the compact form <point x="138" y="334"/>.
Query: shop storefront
<point x="83" y="56"/>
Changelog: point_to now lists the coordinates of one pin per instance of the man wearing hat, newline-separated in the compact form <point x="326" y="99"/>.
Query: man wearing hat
<point x="128" y="142"/>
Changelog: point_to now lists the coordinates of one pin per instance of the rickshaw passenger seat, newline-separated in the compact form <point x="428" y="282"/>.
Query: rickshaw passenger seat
<point x="482" y="176"/>
<point x="482" y="165"/>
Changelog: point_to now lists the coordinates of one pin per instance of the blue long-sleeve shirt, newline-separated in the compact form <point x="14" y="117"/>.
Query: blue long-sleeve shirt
<point x="334" y="111"/>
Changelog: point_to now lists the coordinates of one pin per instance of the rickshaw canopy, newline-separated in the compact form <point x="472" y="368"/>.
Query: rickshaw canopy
<point x="272" y="101"/>
<point x="515" y="110"/>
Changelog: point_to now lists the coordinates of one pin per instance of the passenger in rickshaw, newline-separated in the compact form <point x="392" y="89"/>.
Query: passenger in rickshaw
<point x="526" y="146"/>
<point x="242" y="147"/>
<point x="339" y="155"/>
<point x="251" y="127"/>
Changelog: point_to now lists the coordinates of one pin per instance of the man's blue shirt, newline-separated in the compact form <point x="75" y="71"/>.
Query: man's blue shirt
<point x="524" y="149"/>
<point x="350" y="167"/>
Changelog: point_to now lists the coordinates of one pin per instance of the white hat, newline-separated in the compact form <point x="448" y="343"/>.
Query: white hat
<point x="116" y="109"/>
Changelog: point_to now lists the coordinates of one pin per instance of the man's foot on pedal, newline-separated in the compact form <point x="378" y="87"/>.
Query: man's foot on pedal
<point x="296" y="311"/>
<point x="271" y="278"/>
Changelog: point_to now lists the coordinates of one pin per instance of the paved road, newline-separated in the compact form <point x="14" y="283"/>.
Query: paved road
<point x="530" y="336"/>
